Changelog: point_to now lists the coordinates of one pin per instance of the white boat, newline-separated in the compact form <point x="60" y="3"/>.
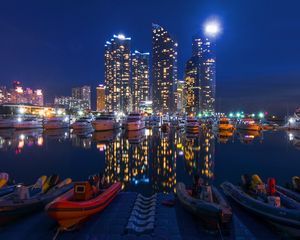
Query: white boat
<point x="134" y="122"/>
<point x="105" y="122"/>
<point x="293" y="122"/>
<point x="192" y="125"/>
<point x="56" y="123"/>
<point x="7" y="122"/>
<point x="223" y="124"/>
<point x="248" y="124"/>
<point x="28" y="123"/>
<point x="82" y="124"/>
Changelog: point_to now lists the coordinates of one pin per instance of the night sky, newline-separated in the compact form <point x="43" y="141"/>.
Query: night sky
<point x="58" y="44"/>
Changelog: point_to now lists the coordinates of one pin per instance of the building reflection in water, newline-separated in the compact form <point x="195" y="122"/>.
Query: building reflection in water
<point x="164" y="155"/>
<point x="199" y="152"/>
<point x="11" y="139"/>
<point x="82" y="139"/>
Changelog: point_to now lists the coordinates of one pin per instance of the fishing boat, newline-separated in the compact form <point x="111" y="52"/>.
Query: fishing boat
<point x="4" y="177"/>
<point x="134" y="122"/>
<point x="248" y="124"/>
<point x="56" y="123"/>
<point x="213" y="210"/>
<point x="28" y="123"/>
<point x="26" y="200"/>
<point x="223" y="124"/>
<point x="105" y="122"/>
<point x="192" y="125"/>
<point x="80" y="203"/>
<point x="277" y="209"/>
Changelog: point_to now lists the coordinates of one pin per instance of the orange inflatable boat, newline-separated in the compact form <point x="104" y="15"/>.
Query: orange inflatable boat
<point x="80" y="203"/>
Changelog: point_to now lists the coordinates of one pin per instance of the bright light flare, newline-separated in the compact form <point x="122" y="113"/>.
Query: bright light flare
<point x="212" y="28"/>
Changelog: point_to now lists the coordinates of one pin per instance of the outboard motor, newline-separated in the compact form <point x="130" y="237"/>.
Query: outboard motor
<point x="271" y="186"/>
<point x="246" y="181"/>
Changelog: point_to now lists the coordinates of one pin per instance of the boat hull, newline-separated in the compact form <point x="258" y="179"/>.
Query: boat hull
<point x="11" y="210"/>
<point x="104" y="125"/>
<point x="69" y="213"/>
<point x="134" y="126"/>
<point x="283" y="218"/>
<point x="212" y="214"/>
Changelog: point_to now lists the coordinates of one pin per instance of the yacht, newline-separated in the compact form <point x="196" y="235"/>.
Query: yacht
<point x="223" y="124"/>
<point x="293" y="122"/>
<point x="134" y="122"/>
<point x="56" y="123"/>
<point x="248" y="124"/>
<point x="28" y="123"/>
<point x="192" y="125"/>
<point x="105" y="122"/>
<point x="6" y="122"/>
<point x="82" y="124"/>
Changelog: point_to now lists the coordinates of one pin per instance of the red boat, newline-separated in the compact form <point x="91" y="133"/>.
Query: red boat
<point x="80" y="203"/>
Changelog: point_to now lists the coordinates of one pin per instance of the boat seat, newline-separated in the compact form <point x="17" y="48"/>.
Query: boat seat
<point x="83" y="191"/>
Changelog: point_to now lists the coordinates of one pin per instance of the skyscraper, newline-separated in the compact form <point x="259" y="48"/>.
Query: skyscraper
<point x="203" y="50"/>
<point x="164" y="70"/>
<point x="181" y="98"/>
<point x="117" y="74"/>
<point x="82" y="93"/>
<point x="100" y="98"/>
<point x="192" y="85"/>
<point x="140" y="78"/>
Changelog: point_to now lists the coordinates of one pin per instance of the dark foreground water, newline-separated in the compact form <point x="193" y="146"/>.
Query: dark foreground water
<point x="149" y="161"/>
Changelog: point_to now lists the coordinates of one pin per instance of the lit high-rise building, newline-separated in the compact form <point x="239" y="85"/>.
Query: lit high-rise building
<point x="4" y="95"/>
<point x="203" y="49"/>
<point x="164" y="70"/>
<point x="82" y="93"/>
<point x="20" y="95"/>
<point x="117" y="74"/>
<point x="181" y="98"/>
<point x="192" y="85"/>
<point x="100" y="98"/>
<point x="140" y="79"/>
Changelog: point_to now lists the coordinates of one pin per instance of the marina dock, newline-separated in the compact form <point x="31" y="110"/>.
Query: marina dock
<point x="133" y="216"/>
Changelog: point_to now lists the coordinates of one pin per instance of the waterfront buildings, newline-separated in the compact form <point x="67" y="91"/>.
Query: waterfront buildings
<point x="200" y="76"/>
<point x="82" y="93"/>
<point x="117" y="59"/>
<point x="21" y="95"/>
<point x="164" y="70"/>
<point x="140" y="79"/>
<point x="100" y="91"/>
<point x="71" y="103"/>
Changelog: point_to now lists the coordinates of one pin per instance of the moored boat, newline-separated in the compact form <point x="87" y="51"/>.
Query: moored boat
<point x="134" y="122"/>
<point x="248" y="124"/>
<point x="56" y="123"/>
<point x="28" y="123"/>
<point x="279" y="210"/>
<point x="105" y="122"/>
<point x="80" y="203"/>
<point x="223" y="124"/>
<point x="214" y="212"/>
<point x="7" y="122"/>
<point x="82" y="124"/>
<point x="26" y="200"/>
<point x="192" y="125"/>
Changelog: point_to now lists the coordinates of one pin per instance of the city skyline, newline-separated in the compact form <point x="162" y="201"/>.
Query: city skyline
<point x="245" y="60"/>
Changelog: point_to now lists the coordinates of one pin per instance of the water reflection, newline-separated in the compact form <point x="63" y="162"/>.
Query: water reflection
<point x="146" y="159"/>
<point x="11" y="139"/>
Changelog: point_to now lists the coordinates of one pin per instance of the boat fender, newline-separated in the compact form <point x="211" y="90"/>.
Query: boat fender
<point x="271" y="186"/>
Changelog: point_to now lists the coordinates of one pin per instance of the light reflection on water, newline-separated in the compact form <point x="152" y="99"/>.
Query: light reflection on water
<point x="149" y="160"/>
